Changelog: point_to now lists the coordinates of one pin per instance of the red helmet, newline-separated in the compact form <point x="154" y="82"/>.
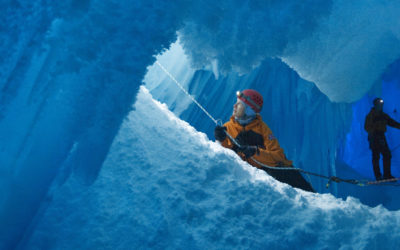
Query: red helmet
<point x="251" y="98"/>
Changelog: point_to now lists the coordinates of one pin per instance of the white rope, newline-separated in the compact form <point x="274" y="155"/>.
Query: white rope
<point x="259" y="163"/>
<point x="187" y="93"/>
<point x="332" y="178"/>
<point x="276" y="167"/>
<point x="215" y="121"/>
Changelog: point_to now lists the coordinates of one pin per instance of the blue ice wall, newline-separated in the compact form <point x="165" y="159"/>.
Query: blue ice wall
<point x="308" y="126"/>
<point x="355" y="152"/>
<point x="178" y="190"/>
<point x="70" y="71"/>
<point x="68" y="76"/>
<point x="320" y="136"/>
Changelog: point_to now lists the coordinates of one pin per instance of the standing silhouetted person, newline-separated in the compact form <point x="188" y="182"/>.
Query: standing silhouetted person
<point x="375" y="125"/>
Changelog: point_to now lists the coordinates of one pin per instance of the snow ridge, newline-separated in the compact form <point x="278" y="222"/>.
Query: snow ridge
<point x="166" y="186"/>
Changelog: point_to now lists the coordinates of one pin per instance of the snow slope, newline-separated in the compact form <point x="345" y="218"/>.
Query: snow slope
<point x="318" y="135"/>
<point x="166" y="186"/>
<point x="308" y="126"/>
<point x="70" y="71"/>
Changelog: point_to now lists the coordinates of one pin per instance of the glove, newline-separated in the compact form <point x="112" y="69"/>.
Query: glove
<point x="248" y="151"/>
<point x="219" y="133"/>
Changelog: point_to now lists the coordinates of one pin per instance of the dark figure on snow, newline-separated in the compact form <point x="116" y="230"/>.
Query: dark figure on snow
<point x="257" y="143"/>
<point x="375" y="124"/>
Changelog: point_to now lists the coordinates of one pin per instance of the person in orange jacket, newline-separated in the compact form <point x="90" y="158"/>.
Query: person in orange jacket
<point x="375" y="124"/>
<point x="256" y="140"/>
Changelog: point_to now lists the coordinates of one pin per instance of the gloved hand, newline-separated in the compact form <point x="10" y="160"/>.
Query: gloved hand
<point x="219" y="133"/>
<point x="248" y="151"/>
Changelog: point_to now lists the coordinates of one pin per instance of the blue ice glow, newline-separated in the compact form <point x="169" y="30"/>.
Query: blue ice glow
<point x="201" y="196"/>
<point x="70" y="72"/>
<point x="313" y="131"/>
<point x="357" y="153"/>
<point x="293" y="108"/>
<point x="69" y="76"/>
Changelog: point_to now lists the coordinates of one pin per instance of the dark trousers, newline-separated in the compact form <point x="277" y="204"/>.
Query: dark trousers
<point x="291" y="177"/>
<point x="378" y="145"/>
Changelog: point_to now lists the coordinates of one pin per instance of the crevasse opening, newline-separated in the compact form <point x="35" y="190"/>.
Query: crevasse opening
<point x="318" y="135"/>
<point x="193" y="193"/>
<point x="82" y="167"/>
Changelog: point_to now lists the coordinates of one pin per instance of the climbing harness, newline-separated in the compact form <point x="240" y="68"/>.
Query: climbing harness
<point x="361" y="183"/>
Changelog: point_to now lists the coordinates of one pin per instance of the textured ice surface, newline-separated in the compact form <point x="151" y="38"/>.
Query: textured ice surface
<point x="165" y="185"/>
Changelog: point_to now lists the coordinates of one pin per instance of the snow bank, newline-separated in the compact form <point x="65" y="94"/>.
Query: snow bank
<point x="71" y="69"/>
<point x="165" y="185"/>
<point x="308" y="126"/>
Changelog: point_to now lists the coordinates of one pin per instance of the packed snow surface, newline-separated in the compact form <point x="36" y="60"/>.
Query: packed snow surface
<point x="69" y="74"/>
<point x="166" y="186"/>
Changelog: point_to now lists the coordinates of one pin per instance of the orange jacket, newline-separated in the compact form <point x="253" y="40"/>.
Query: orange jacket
<point x="272" y="155"/>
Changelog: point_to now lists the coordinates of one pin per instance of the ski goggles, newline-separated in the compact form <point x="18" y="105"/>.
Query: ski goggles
<point x="240" y="94"/>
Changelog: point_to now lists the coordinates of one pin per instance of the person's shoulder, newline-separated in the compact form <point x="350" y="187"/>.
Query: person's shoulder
<point x="372" y="113"/>
<point x="387" y="117"/>
<point x="262" y="124"/>
<point x="231" y="122"/>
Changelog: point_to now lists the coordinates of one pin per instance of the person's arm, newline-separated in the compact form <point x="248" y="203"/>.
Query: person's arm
<point x="272" y="154"/>
<point x="392" y="123"/>
<point x="227" y="143"/>
<point x="220" y="135"/>
<point x="369" y="124"/>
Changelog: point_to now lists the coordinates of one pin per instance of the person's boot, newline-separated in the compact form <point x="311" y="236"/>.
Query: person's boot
<point x="386" y="165"/>
<point x="388" y="177"/>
